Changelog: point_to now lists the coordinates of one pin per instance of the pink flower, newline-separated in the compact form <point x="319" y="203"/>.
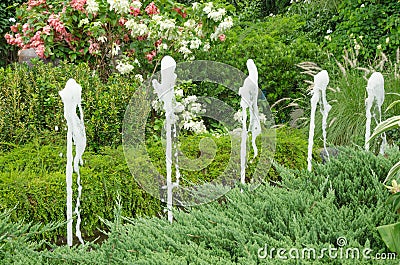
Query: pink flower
<point x="25" y="27"/>
<point x="40" y="50"/>
<point x="46" y="30"/>
<point x="122" y="21"/>
<point x="151" y="9"/>
<point x="180" y="12"/>
<point x="222" y="37"/>
<point x="94" y="47"/>
<point x="158" y="43"/>
<point x="14" y="28"/>
<point x="33" y="3"/>
<point x="126" y="38"/>
<point x="78" y="4"/>
<point x="134" y="11"/>
<point x="54" y="21"/>
<point x="151" y="55"/>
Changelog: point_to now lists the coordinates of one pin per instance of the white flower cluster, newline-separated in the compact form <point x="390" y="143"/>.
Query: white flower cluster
<point x="238" y="116"/>
<point x="186" y="112"/>
<point x="136" y="29"/>
<point x="120" y="6"/>
<point x="167" y="27"/>
<point x="124" y="68"/>
<point x="92" y="6"/>
<point x="136" y="4"/>
<point x="222" y="27"/>
<point x="217" y="15"/>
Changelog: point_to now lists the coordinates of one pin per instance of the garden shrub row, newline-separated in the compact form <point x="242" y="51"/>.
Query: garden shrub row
<point x="32" y="177"/>
<point x="344" y="198"/>
<point x="30" y="105"/>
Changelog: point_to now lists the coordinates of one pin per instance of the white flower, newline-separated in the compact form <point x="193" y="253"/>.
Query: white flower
<point x="12" y="20"/>
<point x="157" y="18"/>
<point x="187" y="116"/>
<point x="206" y="47"/>
<point x="83" y="22"/>
<point x="357" y="47"/>
<point x="217" y="15"/>
<point x="92" y="6"/>
<point x="139" y="78"/>
<point x="197" y="127"/>
<point x="195" y="5"/>
<point x="120" y="6"/>
<point x="102" y="39"/>
<point x="124" y="68"/>
<point x="195" y="43"/>
<point x="162" y="47"/>
<point x="60" y="154"/>
<point x="224" y="25"/>
<point x="178" y="107"/>
<point x="115" y="49"/>
<point x="167" y="25"/>
<point x="179" y="92"/>
<point x="195" y="107"/>
<point x="214" y="36"/>
<point x="387" y="40"/>
<point x="208" y="8"/>
<point x="190" y="23"/>
<point x="328" y="37"/>
<point x="262" y="118"/>
<point x="238" y="116"/>
<point x="97" y="24"/>
<point x="362" y="5"/>
<point x="56" y="128"/>
<point x="185" y="51"/>
<point x="137" y="29"/>
<point x="379" y="47"/>
<point x="189" y="99"/>
<point x="157" y="106"/>
<point x="329" y="31"/>
<point x="136" y="4"/>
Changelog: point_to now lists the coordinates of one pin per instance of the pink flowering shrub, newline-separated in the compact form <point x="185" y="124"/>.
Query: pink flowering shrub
<point x="123" y="35"/>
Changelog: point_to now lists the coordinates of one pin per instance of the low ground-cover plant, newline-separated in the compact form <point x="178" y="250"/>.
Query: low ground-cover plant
<point x="307" y="210"/>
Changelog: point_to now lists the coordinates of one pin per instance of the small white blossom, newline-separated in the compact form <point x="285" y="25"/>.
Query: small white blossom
<point x="195" y="5"/>
<point x="102" y="39"/>
<point x="12" y="20"/>
<point x="362" y="5"/>
<point x="179" y="92"/>
<point x="238" y="116"/>
<point x="83" y="22"/>
<point x="387" y="40"/>
<point x="139" y="77"/>
<point x="92" y="6"/>
<point x="357" y="47"/>
<point x="328" y="37"/>
<point x="206" y="47"/>
<point x="379" y="47"/>
<point x="189" y="99"/>
<point x="329" y="31"/>
<point x="56" y="128"/>
<point x="190" y="23"/>
<point x="178" y="107"/>
<point x="195" y="43"/>
<point x="208" y="8"/>
<point x="217" y="15"/>
<point x="97" y="24"/>
<point x="119" y="6"/>
<point x="162" y="47"/>
<point x="136" y="4"/>
<point x="124" y="68"/>
<point x="115" y="49"/>
<point x="195" y="107"/>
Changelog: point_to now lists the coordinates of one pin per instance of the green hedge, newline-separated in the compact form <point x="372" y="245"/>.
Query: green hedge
<point x="32" y="177"/>
<point x="30" y="105"/>
<point x="344" y="198"/>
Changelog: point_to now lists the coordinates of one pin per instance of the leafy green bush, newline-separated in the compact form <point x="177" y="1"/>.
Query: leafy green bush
<point x="276" y="47"/>
<point x="33" y="177"/>
<point x="312" y="210"/>
<point x="7" y="12"/>
<point x="372" y="25"/>
<point x="30" y="105"/>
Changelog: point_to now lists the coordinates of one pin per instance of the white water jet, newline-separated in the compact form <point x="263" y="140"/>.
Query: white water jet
<point x="321" y="81"/>
<point x="376" y="92"/>
<point x="71" y="97"/>
<point x="249" y="96"/>
<point x="165" y="93"/>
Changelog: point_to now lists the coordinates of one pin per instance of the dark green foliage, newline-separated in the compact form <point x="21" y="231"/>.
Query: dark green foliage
<point x="7" y="11"/>
<point x="32" y="178"/>
<point x="276" y="47"/>
<point x="306" y="212"/>
<point x="31" y="106"/>
<point x="373" y="20"/>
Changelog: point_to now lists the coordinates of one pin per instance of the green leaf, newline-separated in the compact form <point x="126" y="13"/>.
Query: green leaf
<point x="391" y="236"/>
<point x="384" y="126"/>
<point x="393" y="171"/>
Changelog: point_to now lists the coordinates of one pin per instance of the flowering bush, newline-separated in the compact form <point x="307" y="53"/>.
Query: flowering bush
<point x="123" y="34"/>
